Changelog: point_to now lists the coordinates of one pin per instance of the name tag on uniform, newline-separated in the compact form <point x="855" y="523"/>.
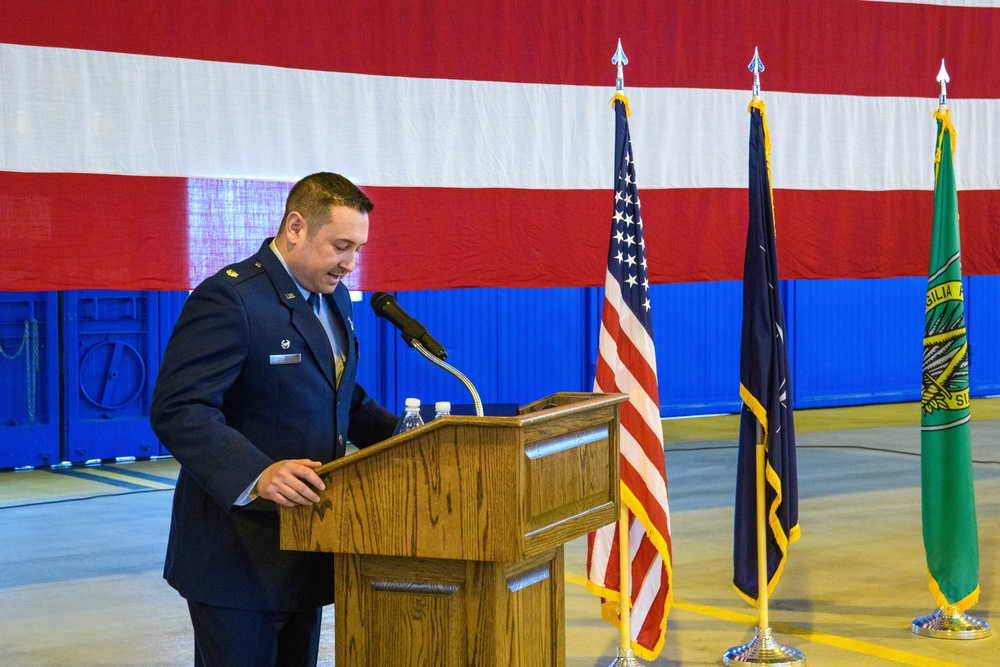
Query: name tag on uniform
<point x="278" y="359"/>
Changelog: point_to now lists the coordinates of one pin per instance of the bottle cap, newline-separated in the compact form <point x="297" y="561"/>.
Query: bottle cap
<point x="442" y="406"/>
<point x="413" y="402"/>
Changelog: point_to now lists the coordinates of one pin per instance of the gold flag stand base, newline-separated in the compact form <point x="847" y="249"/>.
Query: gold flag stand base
<point x="626" y="658"/>
<point x="763" y="650"/>
<point x="949" y="623"/>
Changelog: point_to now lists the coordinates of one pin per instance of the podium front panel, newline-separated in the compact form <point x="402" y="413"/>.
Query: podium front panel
<point x="416" y="612"/>
<point x="570" y="478"/>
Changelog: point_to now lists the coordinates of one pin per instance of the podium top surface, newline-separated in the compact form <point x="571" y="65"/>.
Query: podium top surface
<point x="551" y="408"/>
<point x="472" y="488"/>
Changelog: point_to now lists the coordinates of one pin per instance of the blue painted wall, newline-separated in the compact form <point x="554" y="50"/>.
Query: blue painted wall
<point x="513" y="345"/>
<point x="856" y="340"/>
<point x="850" y="342"/>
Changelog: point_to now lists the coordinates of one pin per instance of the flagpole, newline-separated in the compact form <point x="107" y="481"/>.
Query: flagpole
<point x="949" y="621"/>
<point x="763" y="649"/>
<point x="625" y="657"/>
<point x="762" y="599"/>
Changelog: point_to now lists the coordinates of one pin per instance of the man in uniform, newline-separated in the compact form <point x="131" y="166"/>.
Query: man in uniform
<point x="256" y="390"/>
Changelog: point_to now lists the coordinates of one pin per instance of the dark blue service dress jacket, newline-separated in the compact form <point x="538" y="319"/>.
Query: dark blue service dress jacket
<point x="248" y="379"/>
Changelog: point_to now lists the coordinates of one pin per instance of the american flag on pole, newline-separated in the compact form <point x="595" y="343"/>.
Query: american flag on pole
<point x="627" y="364"/>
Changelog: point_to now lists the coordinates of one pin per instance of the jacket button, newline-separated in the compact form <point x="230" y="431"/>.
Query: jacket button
<point x="340" y="439"/>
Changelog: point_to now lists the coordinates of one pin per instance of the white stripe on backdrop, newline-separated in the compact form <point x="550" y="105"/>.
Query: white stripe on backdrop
<point x="68" y="110"/>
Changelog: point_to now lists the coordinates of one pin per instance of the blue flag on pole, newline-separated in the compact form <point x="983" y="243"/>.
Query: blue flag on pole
<point x="764" y="387"/>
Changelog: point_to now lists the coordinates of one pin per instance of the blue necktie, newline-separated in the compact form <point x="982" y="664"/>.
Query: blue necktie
<point x="338" y="359"/>
<point x="314" y="302"/>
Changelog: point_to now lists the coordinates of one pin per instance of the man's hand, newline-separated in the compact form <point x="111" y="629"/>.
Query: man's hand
<point x="291" y="482"/>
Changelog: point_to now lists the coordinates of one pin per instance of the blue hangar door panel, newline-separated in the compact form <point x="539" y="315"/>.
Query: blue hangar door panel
<point x="110" y="358"/>
<point x="29" y="379"/>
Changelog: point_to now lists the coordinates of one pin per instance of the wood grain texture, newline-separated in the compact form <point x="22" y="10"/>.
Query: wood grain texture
<point x="448" y="539"/>
<point x="471" y="488"/>
<point x="432" y="612"/>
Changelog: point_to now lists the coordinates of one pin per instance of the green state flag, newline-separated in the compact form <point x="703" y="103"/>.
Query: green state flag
<point x="949" y="508"/>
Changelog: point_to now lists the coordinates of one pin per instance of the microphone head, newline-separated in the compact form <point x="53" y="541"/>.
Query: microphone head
<point x="379" y="301"/>
<point x="386" y="307"/>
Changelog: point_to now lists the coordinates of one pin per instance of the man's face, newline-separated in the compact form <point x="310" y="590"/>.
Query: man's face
<point x="319" y="261"/>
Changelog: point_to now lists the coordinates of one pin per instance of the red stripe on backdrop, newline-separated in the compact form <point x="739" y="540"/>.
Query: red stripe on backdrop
<point x="847" y="47"/>
<point x="86" y="231"/>
<point x="547" y="238"/>
<point x="979" y="218"/>
<point x="80" y="231"/>
<point x="849" y="234"/>
<point x="441" y="238"/>
<point x="840" y="234"/>
<point x="691" y="235"/>
<point x="480" y="238"/>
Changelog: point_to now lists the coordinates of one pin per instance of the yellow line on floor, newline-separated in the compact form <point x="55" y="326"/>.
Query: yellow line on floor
<point x="852" y="645"/>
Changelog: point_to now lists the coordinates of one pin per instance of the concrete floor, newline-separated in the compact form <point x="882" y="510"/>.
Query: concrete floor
<point x="81" y="553"/>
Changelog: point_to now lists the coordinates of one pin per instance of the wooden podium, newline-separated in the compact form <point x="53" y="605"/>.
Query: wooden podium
<point x="448" y="540"/>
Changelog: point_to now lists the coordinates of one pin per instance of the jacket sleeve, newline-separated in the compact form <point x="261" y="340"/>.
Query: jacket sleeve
<point x="203" y="360"/>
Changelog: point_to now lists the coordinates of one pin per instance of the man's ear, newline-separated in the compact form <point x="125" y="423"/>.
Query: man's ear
<point x="295" y="227"/>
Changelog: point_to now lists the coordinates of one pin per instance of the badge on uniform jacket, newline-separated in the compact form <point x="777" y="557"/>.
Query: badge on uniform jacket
<point x="280" y="359"/>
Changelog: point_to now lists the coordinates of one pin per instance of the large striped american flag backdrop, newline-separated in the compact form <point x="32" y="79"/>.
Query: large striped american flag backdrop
<point x="143" y="144"/>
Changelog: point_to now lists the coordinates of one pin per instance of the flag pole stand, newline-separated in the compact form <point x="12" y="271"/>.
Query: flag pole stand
<point x="950" y="623"/>
<point x="626" y="657"/>
<point x="763" y="649"/>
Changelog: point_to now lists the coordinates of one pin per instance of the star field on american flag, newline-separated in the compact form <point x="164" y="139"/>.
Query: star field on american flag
<point x="627" y="251"/>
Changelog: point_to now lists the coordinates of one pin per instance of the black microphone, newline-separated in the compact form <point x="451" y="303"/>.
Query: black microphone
<point x="385" y="306"/>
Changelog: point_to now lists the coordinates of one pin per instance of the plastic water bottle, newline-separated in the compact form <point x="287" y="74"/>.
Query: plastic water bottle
<point x="442" y="409"/>
<point x="411" y="418"/>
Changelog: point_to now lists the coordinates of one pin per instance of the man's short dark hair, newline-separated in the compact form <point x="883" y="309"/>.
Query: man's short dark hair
<point x="316" y="194"/>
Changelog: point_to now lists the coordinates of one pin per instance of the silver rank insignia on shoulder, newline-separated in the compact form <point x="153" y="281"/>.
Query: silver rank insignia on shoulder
<point x="351" y="323"/>
<point x="285" y="344"/>
<point x="232" y="274"/>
